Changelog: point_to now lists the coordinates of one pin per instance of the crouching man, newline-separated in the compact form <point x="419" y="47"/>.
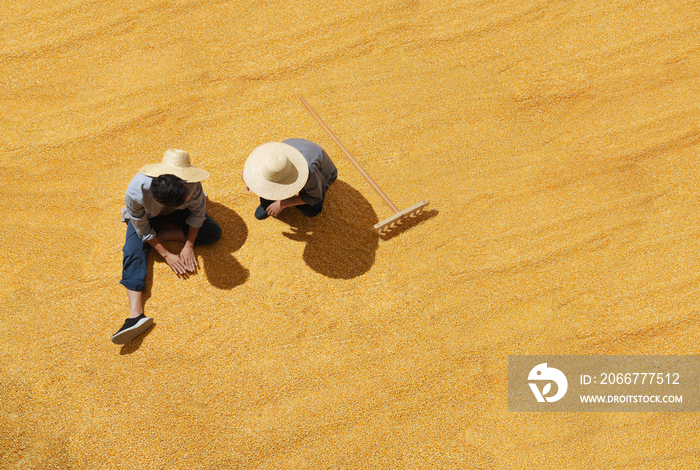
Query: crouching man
<point x="166" y="192"/>
<point x="294" y="173"/>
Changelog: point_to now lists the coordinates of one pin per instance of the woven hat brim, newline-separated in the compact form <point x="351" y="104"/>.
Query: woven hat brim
<point x="189" y="174"/>
<point x="254" y="179"/>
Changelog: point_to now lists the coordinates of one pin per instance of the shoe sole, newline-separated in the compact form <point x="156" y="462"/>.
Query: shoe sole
<point x="130" y="334"/>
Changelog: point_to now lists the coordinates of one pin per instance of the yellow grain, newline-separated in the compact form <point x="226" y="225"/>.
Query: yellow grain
<point x="556" y="143"/>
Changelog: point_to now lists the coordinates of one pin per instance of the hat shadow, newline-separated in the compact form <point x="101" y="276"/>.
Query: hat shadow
<point x="220" y="266"/>
<point x="340" y="242"/>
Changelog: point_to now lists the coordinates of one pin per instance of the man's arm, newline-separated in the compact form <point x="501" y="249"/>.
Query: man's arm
<point x="139" y="219"/>
<point x="197" y="206"/>
<point x="187" y="256"/>
<point x="276" y="207"/>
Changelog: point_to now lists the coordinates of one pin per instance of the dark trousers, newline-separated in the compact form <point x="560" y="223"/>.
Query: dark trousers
<point x="307" y="210"/>
<point x="134" y="268"/>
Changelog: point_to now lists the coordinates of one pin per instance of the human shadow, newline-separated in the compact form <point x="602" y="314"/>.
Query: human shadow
<point x="340" y="242"/>
<point x="149" y="274"/>
<point x="222" y="268"/>
<point x="134" y="345"/>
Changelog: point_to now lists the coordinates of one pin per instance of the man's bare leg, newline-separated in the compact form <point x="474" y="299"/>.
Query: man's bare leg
<point x="133" y="327"/>
<point x="136" y="297"/>
<point x="135" y="303"/>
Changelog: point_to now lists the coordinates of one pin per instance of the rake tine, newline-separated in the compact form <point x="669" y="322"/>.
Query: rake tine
<point x="392" y="221"/>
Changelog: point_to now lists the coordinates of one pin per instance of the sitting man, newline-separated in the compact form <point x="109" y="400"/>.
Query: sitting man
<point x="295" y="172"/>
<point x="162" y="192"/>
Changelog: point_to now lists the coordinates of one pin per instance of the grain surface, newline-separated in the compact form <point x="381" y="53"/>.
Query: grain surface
<point x="556" y="140"/>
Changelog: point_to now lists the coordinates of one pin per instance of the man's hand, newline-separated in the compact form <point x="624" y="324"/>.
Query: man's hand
<point x="176" y="264"/>
<point x="187" y="257"/>
<point x="183" y="263"/>
<point x="274" y="209"/>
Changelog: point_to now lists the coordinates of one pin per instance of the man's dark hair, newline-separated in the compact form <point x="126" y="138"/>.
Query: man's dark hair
<point x="169" y="190"/>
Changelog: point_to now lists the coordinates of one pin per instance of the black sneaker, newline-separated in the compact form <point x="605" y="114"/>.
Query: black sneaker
<point x="261" y="213"/>
<point x="132" y="328"/>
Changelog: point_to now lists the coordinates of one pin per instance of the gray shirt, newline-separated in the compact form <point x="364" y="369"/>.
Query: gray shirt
<point x="141" y="206"/>
<point x="322" y="171"/>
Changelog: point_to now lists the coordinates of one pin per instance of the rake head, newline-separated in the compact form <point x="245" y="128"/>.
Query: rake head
<point x="385" y="225"/>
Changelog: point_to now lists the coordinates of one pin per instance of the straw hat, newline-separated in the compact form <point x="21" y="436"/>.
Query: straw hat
<point x="275" y="171"/>
<point x="175" y="162"/>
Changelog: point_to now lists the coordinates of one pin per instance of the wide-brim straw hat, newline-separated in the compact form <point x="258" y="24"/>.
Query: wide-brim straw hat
<point x="175" y="162"/>
<point x="275" y="171"/>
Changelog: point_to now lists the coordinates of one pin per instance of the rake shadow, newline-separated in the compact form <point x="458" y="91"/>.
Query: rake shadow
<point x="407" y="223"/>
<point x="340" y="242"/>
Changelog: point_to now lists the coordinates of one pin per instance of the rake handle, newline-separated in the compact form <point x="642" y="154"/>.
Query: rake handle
<point x="345" y="151"/>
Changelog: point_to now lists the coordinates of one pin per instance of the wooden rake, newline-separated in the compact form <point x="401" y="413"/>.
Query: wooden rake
<point x="398" y="216"/>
